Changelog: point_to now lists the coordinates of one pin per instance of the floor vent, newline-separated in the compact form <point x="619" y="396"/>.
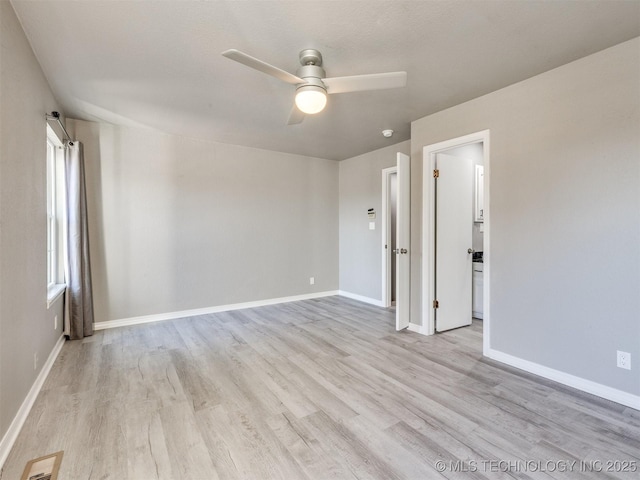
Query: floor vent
<point x="43" y="468"/>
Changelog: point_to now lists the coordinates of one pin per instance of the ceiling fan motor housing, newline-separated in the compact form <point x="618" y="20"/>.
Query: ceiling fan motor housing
<point x="310" y="57"/>
<point x="311" y="69"/>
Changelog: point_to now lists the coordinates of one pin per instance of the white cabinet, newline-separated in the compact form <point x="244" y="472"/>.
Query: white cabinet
<point x="479" y="209"/>
<point x="477" y="289"/>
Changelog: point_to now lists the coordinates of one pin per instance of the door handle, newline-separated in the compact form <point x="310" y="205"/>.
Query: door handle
<point x="403" y="250"/>
<point x="470" y="250"/>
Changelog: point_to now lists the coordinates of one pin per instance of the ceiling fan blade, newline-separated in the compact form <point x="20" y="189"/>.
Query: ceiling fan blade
<point x="296" y="116"/>
<point x="263" y="67"/>
<point x="359" y="83"/>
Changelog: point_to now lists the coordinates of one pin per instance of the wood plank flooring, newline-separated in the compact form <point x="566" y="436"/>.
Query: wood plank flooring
<point x="318" y="389"/>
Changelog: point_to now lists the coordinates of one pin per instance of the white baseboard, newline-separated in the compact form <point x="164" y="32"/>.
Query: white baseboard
<point x="18" y="421"/>
<point x="124" y="322"/>
<point x="421" y="329"/>
<point x="361" y="298"/>
<point x="579" y="383"/>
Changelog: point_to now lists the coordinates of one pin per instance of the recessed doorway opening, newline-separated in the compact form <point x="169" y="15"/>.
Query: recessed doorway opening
<point x="456" y="228"/>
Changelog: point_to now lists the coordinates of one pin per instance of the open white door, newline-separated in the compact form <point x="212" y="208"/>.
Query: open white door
<point x="454" y="234"/>
<point x="403" y="234"/>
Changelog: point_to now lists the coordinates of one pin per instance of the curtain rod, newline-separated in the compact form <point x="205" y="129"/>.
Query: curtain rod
<point x="56" y="116"/>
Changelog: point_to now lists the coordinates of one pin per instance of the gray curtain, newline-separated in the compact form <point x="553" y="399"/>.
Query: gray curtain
<point x="79" y="299"/>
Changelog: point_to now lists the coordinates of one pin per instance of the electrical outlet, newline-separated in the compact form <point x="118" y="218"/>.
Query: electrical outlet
<point x="312" y="280"/>
<point x="624" y="360"/>
<point x="55" y="322"/>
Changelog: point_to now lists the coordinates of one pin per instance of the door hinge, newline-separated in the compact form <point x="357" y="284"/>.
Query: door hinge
<point x="436" y="173"/>
<point x="436" y="304"/>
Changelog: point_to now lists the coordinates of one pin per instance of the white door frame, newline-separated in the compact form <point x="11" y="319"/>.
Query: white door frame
<point x="428" y="229"/>
<point x="386" y="236"/>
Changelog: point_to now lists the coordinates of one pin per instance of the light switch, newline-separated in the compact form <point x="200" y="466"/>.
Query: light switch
<point x="372" y="225"/>
<point x="482" y="227"/>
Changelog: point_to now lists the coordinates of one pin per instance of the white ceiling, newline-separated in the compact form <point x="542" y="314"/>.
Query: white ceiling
<point x="158" y="64"/>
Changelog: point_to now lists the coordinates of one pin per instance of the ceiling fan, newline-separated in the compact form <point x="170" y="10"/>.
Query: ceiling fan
<point x="311" y="85"/>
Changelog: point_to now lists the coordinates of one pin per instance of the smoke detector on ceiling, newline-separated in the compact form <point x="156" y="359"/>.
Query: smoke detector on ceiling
<point x="387" y="133"/>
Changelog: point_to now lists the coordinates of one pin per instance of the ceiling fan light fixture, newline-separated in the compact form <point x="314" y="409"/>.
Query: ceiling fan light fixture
<point x="312" y="84"/>
<point x="311" y="99"/>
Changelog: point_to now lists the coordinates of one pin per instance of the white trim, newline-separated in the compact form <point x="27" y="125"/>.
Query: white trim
<point x="386" y="236"/>
<point x="54" y="291"/>
<point x="361" y="298"/>
<point x="588" y="386"/>
<point x="157" y="317"/>
<point x="428" y="162"/>
<point x="414" y="327"/>
<point x="18" y="421"/>
<point x="53" y="136"/>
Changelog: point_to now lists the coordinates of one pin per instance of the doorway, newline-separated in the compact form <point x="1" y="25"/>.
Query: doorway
<point x="435" y="284"/>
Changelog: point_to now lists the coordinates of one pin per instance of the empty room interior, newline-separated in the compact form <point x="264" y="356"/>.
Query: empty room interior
<point x="319" y="239"/>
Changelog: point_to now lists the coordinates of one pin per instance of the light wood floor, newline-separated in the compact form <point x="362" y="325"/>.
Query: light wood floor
<point x="310" y="390"/>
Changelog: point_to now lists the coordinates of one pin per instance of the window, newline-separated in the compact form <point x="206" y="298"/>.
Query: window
<point x="55" y="199"/>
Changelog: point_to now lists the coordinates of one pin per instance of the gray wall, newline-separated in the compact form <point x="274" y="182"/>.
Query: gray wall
<point x="178" y="224"/>
<point x="565" y="213"/>
<point x="26" y="326"/>
<point x="361" y="248"/>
